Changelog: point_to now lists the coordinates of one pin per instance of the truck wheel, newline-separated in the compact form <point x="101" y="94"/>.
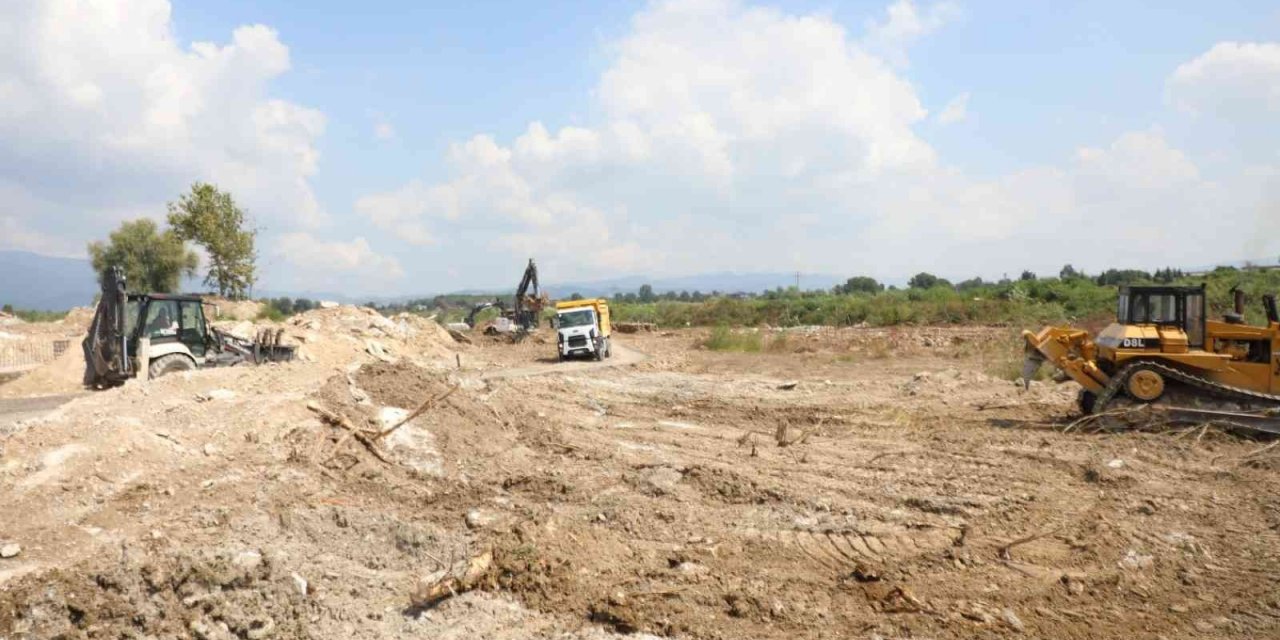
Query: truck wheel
<point x="599" y="354"/>
<point x="608" y="347"/>
<point x="172" y="363"/>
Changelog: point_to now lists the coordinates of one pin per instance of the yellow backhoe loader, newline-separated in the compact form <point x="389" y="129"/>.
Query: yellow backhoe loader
<point x="1163" y="351"/>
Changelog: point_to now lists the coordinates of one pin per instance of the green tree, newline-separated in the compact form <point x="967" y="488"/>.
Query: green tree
<point x="576" y="296"/>
<point x="210" y="218"/>
<point x="1068" y="272"/>
<point x="152" y="261"/>
<point x="923" y="280"/>
<point x="1027" y="276"/>
<point x="8" y="308"/>
<point x="860" y="284"/>
<point x="646" y="293"/>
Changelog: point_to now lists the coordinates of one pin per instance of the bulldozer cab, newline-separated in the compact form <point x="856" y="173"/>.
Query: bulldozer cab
<point x="1164" y="307"/>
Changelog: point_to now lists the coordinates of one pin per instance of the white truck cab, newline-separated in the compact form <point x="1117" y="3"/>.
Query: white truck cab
<point x="583" y="329"/>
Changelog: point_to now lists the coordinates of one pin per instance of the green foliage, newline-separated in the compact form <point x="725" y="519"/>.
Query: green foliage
<point x="859" y="284"/>
<point x="923" y="280"/>
<point x="271" y="312"/>
<point x="724" y="339"/>
<point x="277" y="309"/>
<point x="1021" y="304"/>
<point x="209" y="217"/>
<point x="152" y="261"/>
<point x="29" y="315"/>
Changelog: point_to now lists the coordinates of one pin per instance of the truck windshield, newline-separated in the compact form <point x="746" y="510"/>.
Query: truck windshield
<point x="579" y="318"/>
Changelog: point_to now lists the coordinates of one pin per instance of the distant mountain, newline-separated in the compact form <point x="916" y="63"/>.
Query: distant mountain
<point x="32" y="281"/>
<point x="706" y="283"/>
<point x="43" y="283"/>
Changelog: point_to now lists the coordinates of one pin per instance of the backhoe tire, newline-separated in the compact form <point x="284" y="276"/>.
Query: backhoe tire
<point x="172" y="363"/>
<point x="1086" y="400"/>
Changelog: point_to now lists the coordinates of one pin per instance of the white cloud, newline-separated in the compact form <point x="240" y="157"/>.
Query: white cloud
<point x="1232" y="95"/>
<point x="14" y="235"/>
<point x="704" y="102"/>
<point x="734" y="137"/>
<point x="382" y="130"/>
<point x="956" y="110"/>
<point x="345" y="259"/>
<point x="904" y="24"/>
<point x="1232" y="75"/>
<point x="104" y="115"/>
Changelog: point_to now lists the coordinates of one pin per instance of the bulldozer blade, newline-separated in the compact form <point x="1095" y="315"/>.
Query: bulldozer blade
<point x="1265" y="422"/>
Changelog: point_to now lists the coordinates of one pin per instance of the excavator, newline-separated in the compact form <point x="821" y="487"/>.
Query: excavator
<point x="528" y="305"/>
<point x="1163" y="352"/>
<point x="524" y="314"/>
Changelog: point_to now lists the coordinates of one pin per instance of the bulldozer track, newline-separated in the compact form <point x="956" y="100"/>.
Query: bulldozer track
<point x="844" y="549"/>
<point x="1214" y="389"/>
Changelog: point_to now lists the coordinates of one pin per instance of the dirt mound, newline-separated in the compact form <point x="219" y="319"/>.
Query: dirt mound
<point x="214" y="595"/>
<point x="64" y="375"/>
<point x="337" y="334"/>
<point x="78" y="319"/>
<point x="235" y="310"/>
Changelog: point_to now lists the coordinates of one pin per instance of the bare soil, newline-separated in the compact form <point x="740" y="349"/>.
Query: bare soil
<point x="841" y="483"/>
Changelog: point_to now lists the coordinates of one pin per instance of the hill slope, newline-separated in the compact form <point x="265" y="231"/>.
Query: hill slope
<point x="32" y="281"/>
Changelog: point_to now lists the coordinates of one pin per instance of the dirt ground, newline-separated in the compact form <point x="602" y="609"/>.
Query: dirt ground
<point x="853" y="483"/>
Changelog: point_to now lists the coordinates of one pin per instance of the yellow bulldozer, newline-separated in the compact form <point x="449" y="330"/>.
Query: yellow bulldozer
<point x="1164" y="352"/>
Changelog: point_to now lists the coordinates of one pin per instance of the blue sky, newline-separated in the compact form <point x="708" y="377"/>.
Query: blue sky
<point x="401" y="147"/>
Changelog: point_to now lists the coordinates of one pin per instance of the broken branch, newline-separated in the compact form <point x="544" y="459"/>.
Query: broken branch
<point x="1004" y="551"/>
<point x="355" y="432"/>
<point x="431" y="402"/>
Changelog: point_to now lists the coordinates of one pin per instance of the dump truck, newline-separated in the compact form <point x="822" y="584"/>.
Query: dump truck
<point x="1163" y="351"/>
<point x="155" y="334"/>
<point x="582" y="328"/>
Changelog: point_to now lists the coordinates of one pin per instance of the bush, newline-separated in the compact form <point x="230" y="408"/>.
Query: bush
<point x="1022" y="303"/>
<point x="724" y="339"/>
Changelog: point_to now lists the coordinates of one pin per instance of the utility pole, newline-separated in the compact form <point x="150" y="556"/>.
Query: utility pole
<point x="797" y="281"/>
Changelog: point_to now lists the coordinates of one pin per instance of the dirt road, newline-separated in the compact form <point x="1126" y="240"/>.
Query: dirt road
<point x="15" y="409"/>
<point x="549" y="364"/>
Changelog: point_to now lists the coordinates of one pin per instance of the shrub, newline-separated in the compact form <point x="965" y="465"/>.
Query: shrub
<point x="724" y="339"/>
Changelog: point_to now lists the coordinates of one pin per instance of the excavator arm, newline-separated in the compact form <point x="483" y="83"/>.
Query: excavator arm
<point x="529" y="300"/>
<point x="1072" y="351"/>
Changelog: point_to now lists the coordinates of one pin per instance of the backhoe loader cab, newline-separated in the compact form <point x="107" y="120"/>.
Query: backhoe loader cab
<point x="1164" y="349"/>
